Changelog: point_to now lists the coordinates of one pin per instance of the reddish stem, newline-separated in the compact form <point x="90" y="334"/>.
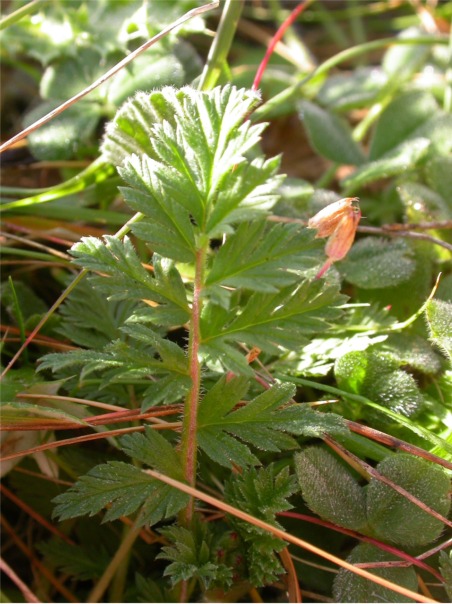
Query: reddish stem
<point x="274" y="41"/>
<point x="383" y="546"/>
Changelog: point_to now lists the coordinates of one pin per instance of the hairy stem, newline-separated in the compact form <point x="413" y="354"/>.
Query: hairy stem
<point x="189" y="432"/>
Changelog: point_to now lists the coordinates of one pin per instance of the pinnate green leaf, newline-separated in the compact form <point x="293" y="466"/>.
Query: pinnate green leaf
<point x="197" y="116"/>
<point x="261" y="492"/>
<point x="167" y="223"/>
<point x="90" y="319"/>
<point x="121" y="484"/>
<point x="224" y="433"/>
<point x="193" y="556"/>
<point x="186" y="150"/>
<point x="126" y="487"/>
<point x="172" y="356"/>
<point x="262" y="259"/>
<point x="146" y="354"/>
<point x="127" y="278"/>
<point x="155" y="451"/>
<point x="273" y="321"/>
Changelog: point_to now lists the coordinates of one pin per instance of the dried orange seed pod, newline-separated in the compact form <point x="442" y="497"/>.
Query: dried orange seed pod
<point x="338" y="221"/>
<point x="341" y="239"/>
<point x="328" y="218"/>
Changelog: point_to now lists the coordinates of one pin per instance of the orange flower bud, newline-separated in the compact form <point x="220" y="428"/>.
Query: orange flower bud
<point x="338" y="221"/>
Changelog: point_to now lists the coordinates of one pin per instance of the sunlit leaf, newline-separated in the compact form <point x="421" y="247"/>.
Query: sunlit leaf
<point x="400" y="120"/>
<point x="374" y="263"/>
<point x="330" y="136"/>
<point x="223" y="431"/>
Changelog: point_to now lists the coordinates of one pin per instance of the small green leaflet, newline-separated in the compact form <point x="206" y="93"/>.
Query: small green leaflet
<point x="194" y="554"/>
<point x="264" y="259"/>
<point x="145" y="354"/>
<point x="167" y="223"/>
<point x="330" y="135"/>
<point x="155" y="451"/>
<point x="127" y="488"/>
<point x="276" y="320"/>
<point x="127" y="278"/>
<point x="261" y="492"/>
<point x="224" y="434"/>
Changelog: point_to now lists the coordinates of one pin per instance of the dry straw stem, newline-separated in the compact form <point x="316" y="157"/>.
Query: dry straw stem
<point x="36" y="563"/>
<point x="111" y="72"/>
<point x="26" y="592"/>
<point x="276" y="532"/>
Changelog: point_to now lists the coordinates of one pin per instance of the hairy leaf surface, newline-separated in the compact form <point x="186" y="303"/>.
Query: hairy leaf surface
<point x="185" y="153"/>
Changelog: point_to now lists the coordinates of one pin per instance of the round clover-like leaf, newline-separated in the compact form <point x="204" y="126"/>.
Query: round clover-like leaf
<point x="329" y="489"/>
<point x="392" y="517"/>
<point x="376" y="263"/>
<point x="349" y="587"/>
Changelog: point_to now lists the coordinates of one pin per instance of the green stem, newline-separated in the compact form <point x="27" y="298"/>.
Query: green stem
<point x="190" y="423"/>
<point x="356" y="24"/>
<point x="265" y="111"/>
<point x="20" y="12"/>
<point x="447" y="104"/>
<point x="221" y="45"/>
<point x="97" y="172"/>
